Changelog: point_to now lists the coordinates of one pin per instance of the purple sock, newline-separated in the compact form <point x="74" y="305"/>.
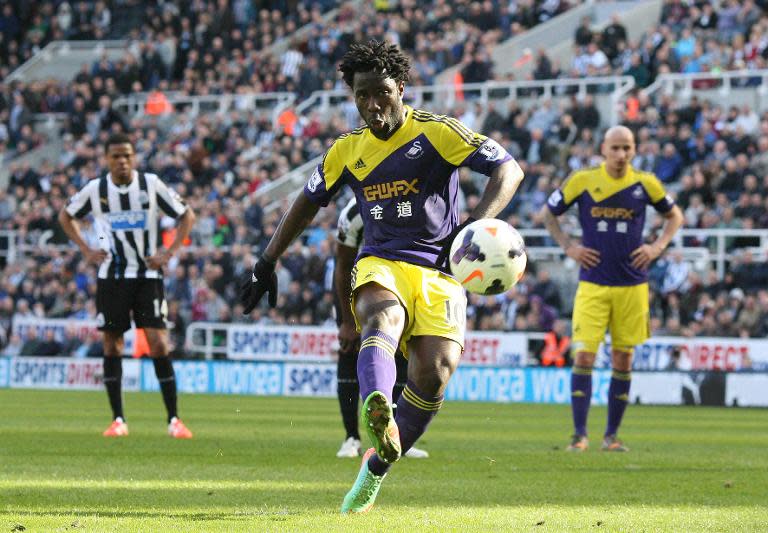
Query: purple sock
<point x="376" y="370"/>
<point x="414" y="413"/>
<point x="618" y="397"/>
<point x="581" y="396"/>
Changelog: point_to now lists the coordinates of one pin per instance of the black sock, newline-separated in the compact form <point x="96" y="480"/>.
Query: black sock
<point x="397" y="390"/>
<point x="113" y="381"/>
<point x="402" y="376"/>
<point x="348" y="391"/>
<point x="167" y="379"/>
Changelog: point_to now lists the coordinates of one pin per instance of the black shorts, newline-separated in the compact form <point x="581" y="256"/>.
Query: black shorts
<point x="117" y="298"/>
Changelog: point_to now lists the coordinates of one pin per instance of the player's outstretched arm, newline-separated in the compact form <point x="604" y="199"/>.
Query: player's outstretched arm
<point x="643" y="256"/>
<point x="342" y="277"/>
<point x="263" y="279"/>
<point x="295" y="220"/>
<point x="501" y="187"/>
<point x="586" y="257"/>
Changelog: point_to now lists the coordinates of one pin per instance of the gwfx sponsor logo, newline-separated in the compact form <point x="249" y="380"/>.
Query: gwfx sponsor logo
<point x="612" y="213"/>
<point x="382" y="191"/>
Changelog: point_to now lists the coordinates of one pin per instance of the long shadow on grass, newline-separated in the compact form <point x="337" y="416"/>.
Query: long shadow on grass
<point x="197" y="516"/>
<point x="413" y="491"/>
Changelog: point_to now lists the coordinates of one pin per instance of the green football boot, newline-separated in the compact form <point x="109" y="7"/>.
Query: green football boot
<point x="363" y="493"/>
<point x="379" y="422"/>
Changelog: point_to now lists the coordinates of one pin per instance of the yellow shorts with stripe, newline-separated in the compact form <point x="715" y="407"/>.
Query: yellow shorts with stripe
<point x="435" y="303"/>
<point x="624" y="311"/>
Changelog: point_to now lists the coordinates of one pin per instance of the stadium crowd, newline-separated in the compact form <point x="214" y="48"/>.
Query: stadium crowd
<point x="691" y="37"/>
<point x="713" y="159"/>
<point x="220" y="47"/>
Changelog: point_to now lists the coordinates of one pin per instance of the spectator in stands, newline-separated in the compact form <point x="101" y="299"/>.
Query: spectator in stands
<point x="477" y="67"/>
<point x="638" y="70"/>
<point x="546" y="288"/>
<point x="13" y="347"/>
<point x="109" y="118"/>
<point x="748" y="318"/>
<point x="32" y="343"/>
<point x="541" y="317"/>
<point x="585" y="114"/>
<point x="18" y="117"/>
<point x="613" y="37"/>
<point x="557" y="344"/>
<point x="49" y="346"/>
<point x="584" y="35"/>
<point x="669" y="165"/>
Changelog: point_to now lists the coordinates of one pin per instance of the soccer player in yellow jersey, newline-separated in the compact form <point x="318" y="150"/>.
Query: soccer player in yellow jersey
<point x="403" y="169"/>
<point x="613" y="281"/>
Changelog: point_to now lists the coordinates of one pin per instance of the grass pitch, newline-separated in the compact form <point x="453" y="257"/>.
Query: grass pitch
<point x="268" y="464"/>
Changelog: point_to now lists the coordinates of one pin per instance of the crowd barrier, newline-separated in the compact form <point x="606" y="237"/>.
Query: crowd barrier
<point x="63" y="327"/>
<point x="482" y="348"/>
<point x="303" y="344"/>
<point x="470" y="383"/>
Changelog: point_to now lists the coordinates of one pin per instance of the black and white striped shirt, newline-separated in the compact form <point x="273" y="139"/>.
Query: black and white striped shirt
<point x="349" y="230"/>
<point x="126" y="221"/>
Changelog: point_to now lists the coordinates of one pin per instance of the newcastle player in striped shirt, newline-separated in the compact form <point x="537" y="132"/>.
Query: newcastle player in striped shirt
<point x="125" y="206"/>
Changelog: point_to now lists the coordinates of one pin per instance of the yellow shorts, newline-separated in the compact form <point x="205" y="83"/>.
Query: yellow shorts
<point x="623" y="311"/>
<point x="435" y="303"/>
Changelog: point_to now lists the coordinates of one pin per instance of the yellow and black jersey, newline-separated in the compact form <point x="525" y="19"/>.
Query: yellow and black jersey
<point x="407" y="186"/>
<point x="612" y="217"/>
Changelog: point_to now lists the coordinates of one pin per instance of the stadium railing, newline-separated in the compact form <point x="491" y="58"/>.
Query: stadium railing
<point x="705" y="248"/>
<point x="286" y="187"/>
<point x="62" y="59"/>
<point x="446" y="96"/>
<point x="272" y="103"/>
<point x="732" y="87"/>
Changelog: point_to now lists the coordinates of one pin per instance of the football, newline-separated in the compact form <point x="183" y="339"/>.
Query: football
<point x="488" y="256"/>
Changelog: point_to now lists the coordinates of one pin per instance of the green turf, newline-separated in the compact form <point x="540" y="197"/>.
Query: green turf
<point x="261" y="464"/>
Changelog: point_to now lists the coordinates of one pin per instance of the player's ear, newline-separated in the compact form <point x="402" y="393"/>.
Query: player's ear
<point x="400" y="87"/>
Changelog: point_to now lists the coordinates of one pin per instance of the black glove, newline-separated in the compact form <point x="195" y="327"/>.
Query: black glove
<point x="442" y="257"/>
<point x="253" y="286"/>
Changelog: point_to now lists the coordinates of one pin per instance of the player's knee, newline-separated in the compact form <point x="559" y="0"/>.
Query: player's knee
<point x="433" y="378"/>
<point x="389" y="318"/>
<point x="621" y="358"/>
<point x="113" y="345"/>
<point x="159" y="348"/>
<point x="584" y="357"/>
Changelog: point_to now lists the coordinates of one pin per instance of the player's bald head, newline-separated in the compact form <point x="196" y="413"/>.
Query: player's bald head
<point x="619" y="134"/>
<point x="618" y="148"/>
